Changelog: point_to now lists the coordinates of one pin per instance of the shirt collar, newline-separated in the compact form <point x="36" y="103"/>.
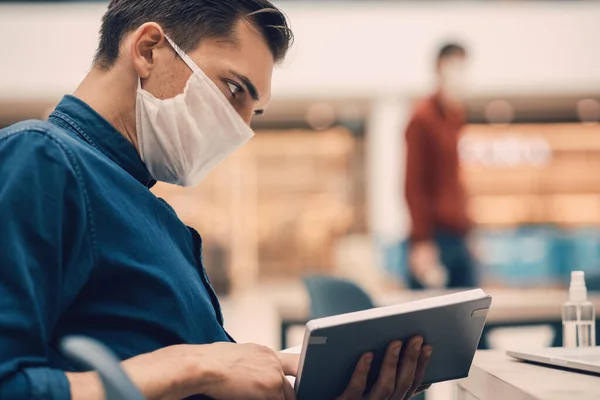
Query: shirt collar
<point x="79" y="119"/>
<point x="455" y="115"/>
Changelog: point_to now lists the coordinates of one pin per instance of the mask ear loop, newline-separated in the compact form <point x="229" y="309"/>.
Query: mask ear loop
<point x="186" y="59"/>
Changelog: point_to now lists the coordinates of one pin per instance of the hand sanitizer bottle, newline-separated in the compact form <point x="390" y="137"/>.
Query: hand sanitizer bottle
<point x="578" y="316"/>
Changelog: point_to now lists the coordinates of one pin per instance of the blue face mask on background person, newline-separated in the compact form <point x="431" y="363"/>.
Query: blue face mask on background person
<point x="182" y="138"/>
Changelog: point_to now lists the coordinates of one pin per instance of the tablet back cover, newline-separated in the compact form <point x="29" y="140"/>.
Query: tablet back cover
<point x="331" y="353"/>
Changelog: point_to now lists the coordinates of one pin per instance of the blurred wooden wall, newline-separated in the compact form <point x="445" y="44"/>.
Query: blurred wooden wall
<point x="275" y="208"/>
<point x="533" y="174"/>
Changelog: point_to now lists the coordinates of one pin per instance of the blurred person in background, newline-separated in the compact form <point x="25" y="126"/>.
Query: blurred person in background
<point x="87" y="249"/>
<point x="439" y="250"/>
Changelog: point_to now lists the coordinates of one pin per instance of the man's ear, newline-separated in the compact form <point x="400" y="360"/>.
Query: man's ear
<point x="144" y="42"/>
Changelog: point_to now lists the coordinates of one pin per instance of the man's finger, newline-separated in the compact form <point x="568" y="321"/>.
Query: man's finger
<point x="422" y="389"/>
<point x="289" y="363"/>
<point x="424" y="358"/>
<point x="386" y="382"/>
<point x="408" y="367"/>
<point x="288" y="390"/>
<point x="358" y="383"/>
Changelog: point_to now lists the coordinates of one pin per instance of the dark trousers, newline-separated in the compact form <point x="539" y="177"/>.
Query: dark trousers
<point x="456" y="257"/>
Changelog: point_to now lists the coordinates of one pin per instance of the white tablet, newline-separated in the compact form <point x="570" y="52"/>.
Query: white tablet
<point x="332" y="346"/>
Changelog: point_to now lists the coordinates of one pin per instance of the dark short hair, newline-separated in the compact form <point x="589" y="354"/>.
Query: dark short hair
<point x="187" y="22"/>
<point x="449" y="50"/>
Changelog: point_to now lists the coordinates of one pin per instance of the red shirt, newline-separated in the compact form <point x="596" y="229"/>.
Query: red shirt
<point x="434" y="192"/>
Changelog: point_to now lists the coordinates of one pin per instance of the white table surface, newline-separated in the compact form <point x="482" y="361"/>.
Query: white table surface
<point x="496" y="376"/>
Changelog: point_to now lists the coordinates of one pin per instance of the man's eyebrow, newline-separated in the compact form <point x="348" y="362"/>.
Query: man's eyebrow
<point x="248" y="83"/>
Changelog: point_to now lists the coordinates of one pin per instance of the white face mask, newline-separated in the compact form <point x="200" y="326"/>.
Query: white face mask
<point x="453" y="79"/>
<point x="181" y="139"/>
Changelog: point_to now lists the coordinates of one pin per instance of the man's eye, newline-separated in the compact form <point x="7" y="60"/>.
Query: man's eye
<point x="234" y="89"/>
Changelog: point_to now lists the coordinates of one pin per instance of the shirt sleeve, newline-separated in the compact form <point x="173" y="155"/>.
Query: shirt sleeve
<point x="417" y="197"/>
<point x="45" y="256"/>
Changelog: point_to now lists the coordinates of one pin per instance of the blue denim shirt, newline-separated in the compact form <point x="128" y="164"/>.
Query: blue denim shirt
<point x="86" y="248"/>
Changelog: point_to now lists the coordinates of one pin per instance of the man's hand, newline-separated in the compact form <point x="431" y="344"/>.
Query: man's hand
<point x="289" y="362"/>
<point x="247" y="371"/>
<point x="401" y="373"/>
<point x="422" y="256"/>
<point x="222" y="371"/>
<point x="424" y="262"/>
<point x="230" y="371"/>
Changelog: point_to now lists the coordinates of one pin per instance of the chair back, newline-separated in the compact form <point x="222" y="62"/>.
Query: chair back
<point x="90" y="354"/>
<point x="333" y="296"/>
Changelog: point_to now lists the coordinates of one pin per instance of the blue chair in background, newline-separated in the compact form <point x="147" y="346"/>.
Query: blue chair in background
<point x="332" y="296"/>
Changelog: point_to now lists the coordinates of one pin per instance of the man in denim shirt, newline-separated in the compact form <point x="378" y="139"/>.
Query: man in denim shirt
<point x="86" y="248"/>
